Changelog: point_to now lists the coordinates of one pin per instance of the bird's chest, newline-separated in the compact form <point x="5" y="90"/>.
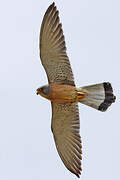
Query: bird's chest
<point x="62" y="93"/>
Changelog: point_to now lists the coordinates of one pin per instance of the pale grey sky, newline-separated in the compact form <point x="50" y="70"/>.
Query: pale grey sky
<point x="92" y="34"/>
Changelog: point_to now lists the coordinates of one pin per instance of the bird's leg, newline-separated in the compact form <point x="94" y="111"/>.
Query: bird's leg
<point x="80" y="94"/>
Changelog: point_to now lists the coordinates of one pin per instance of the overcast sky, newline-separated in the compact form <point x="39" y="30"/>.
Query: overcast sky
<point x="92" y="34"/>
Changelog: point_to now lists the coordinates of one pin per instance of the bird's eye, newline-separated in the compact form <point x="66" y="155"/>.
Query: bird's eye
<point x="45" y="90"/>
<point x="42" y="89"/>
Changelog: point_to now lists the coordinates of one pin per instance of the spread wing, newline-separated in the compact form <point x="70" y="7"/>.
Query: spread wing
<point x="53" y="50"/>
<point x="65" y="128"/>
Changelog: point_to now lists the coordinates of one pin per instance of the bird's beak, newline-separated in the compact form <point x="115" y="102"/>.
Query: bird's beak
<point x="38" y="91"/>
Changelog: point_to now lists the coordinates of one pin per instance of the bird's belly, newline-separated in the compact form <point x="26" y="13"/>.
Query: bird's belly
<point x="62" y="93"/>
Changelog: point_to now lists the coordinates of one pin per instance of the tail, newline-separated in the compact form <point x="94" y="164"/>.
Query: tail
<point x="99" y="96"/>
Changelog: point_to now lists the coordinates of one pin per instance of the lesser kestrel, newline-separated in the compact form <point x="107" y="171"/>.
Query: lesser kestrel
<point x="63" y="93"/>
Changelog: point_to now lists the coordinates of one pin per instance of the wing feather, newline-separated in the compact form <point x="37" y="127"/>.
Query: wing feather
<point x="53" y="49"/>
<point x="65" y="128"/>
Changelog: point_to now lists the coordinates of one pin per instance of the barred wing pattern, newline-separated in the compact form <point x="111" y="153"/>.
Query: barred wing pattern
<point x="53" y="50"/>
<point x="65" y="128"/>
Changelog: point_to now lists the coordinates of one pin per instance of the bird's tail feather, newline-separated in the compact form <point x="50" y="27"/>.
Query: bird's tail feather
<point x="98" y="96"/>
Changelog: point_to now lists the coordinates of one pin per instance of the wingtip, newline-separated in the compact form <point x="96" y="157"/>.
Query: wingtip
<point x="77" y="175"/>
<point x="53" y="4"/>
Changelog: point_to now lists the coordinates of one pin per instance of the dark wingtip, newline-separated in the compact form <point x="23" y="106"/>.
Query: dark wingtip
<point x="53" y="4"/>
<point x="109" y="97"/>
<point x="78" y="175"/>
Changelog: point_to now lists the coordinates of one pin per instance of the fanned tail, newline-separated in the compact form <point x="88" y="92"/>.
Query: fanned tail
<point x="99" y="96"/>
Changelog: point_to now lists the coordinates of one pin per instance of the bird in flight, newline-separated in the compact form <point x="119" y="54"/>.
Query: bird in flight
<point x="63" y="93"/>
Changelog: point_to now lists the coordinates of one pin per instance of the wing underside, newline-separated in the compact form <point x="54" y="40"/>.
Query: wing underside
<point x="53" y="50"/>
<point x="65" y="128"/>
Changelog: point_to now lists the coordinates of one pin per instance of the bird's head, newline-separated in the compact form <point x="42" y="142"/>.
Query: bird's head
<point x="43" y="91"/>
